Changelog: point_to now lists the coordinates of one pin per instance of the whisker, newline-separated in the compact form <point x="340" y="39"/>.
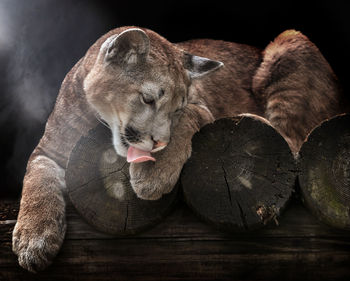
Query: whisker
<point x="130" y="138"/>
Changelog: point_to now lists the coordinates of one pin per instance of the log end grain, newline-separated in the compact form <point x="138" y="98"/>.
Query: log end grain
<point x="241" y="173"/>
<point x="99" y="188"/>
<point x="325" y="172"/>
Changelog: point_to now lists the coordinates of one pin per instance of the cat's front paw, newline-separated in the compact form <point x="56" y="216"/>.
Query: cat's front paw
<point x="37" y="244"/>
<point x="150" y="180"/>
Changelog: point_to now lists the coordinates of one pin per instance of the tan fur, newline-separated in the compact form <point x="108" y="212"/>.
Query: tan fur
<point x="110" y="89"/>
<point x="296" y="86"/>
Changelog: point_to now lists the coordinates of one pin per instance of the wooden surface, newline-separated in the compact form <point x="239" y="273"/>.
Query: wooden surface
<point x="241" y="173"/>
<point x="184" y="248"/>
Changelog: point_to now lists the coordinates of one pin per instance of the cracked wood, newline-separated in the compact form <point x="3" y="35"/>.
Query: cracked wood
<point x="99" y="188"/>
<point x="325" y="171"/>
<point x="241" y="173"/>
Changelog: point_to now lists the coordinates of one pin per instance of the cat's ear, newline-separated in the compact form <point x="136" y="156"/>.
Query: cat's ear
<point x="198" y="67"/>
<point x="130" y="47"/>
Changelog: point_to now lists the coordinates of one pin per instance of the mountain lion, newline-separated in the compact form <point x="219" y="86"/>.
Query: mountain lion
<point x="154" y="95"/>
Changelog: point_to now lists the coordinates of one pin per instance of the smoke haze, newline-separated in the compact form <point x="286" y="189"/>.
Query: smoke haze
<point x="40" y="41"/>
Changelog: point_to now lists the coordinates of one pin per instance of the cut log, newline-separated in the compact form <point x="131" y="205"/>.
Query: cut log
<point x="99" y="188"/>
<point x="325" y="172"/>
<point x="241" y="173"/>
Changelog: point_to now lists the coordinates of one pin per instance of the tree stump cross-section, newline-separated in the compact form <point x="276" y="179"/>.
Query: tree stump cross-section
<point x="325" y="172"/>
<point x="241" y="173"/>
<point x="99" y="188"/>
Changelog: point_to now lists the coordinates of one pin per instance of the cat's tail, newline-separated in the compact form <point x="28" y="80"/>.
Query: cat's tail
<point x="296" y="86"/>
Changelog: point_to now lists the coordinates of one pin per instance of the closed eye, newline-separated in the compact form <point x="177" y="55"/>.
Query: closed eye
<point x="147" y="99"/>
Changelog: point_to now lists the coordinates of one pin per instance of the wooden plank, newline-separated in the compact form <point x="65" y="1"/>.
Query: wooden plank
<point x="149" y="259"/>
<point x="184" y="248"/>
<point x="296" y="221"/>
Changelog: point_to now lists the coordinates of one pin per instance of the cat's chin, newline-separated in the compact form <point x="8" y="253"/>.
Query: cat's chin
<point x="121" y="150"/>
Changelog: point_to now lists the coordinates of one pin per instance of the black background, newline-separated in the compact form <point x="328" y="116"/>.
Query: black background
<point x="40" y="40"/>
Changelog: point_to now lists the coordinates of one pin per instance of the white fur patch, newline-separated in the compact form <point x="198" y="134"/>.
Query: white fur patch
<point x="131" y="57"/>
<point x="115" y="136"/>
<point x="158" y="148"/>
<point x="107" y="43"/>
<point x="150" y="88"/>
<point x="207" y="110"/>
<point x="120" y="149"/>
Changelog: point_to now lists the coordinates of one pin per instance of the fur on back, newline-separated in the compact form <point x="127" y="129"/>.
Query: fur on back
<point x="296" y="87"/>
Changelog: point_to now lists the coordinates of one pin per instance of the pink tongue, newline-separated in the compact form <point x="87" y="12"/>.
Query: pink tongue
<point x="136" y="155"/>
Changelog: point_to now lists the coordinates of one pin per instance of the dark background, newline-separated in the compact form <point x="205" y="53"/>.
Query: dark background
<point x="40" y="40"/>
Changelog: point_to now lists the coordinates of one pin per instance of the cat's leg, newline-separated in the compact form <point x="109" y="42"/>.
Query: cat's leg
<point x="150" y="180"/>
<point x="41" y="226"/>
<point x="296" y="87"/>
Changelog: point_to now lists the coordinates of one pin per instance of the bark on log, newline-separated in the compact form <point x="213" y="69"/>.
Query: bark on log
<point x="241" y="173"/>
<point x="99" y="188"/>
<point x="325" y="172"/>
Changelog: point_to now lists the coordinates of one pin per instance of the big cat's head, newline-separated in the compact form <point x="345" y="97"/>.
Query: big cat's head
<point x="139" y="87"/>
